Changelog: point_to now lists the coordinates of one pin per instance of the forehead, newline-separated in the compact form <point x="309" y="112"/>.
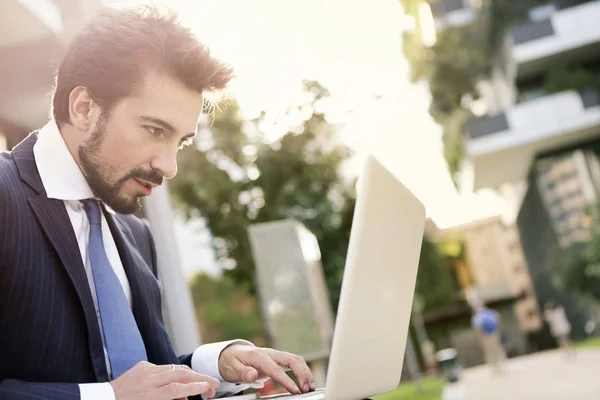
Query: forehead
<point x="163" y="97"/>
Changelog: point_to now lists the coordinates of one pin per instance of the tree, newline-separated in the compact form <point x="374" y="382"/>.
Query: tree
<point x="460" y="58"/>
<point x="434" y="284"/>
<point x="226" y="311"/>
<point x="235" y="177"/>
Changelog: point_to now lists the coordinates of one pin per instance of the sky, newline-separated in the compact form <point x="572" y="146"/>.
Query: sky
<point x="354" y="49"/>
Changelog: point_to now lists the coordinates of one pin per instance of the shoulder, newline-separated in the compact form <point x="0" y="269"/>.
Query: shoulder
<point x="8" y="169"/>
<point x="139" y="227"/>
<point x="10" y="183"/>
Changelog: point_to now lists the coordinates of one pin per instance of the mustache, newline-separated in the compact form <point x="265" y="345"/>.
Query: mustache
<point x="153" y="176"/>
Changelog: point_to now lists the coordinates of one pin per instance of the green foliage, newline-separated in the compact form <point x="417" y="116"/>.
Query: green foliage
<point x="577" y="268"/>
<point x="226" y="311"/>
<point x="460" y="58"/>
<point x="452" y="67"/>
<point x="428" y="389"/>
<point x="434" y="284"/>
<point x="238" y="178"/>
<point x="593" y="343"/>
<point x="453" y="138"/>
<point x="570" y="78"/>
<point x="460" y="61"/>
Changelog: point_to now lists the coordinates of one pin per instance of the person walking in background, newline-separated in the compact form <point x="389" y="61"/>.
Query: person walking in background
<point x="560" y="328"/>
<point x="488" y="327"/>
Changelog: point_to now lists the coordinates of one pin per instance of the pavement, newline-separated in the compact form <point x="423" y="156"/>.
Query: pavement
<point x="548" y="375"/>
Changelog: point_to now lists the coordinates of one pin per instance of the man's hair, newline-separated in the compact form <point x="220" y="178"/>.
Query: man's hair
<point x="114" y="51"/>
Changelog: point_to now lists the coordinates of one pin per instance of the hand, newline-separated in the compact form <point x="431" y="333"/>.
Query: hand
<point x="242" y="363"/>
<point x="162" y="382"/>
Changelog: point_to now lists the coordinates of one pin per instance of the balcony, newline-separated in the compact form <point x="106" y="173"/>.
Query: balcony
<point x="500" y="148"/>
<point x="568" y="35"/>
<point x="454" y="13"/>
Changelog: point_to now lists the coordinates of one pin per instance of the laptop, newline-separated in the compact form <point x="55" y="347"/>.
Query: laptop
<point x="376" y="298"/>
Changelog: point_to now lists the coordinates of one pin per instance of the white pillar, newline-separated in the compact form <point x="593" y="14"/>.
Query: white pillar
<point x="177" y="300"/>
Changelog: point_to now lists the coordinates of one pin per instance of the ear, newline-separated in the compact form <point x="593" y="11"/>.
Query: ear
<point x="82" y="108"/>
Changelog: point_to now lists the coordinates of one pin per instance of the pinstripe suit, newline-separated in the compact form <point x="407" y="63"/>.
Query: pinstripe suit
<point x="49" y="336"/>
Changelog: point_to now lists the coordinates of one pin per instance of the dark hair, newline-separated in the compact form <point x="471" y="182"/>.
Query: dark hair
<point x="113" y="52"/>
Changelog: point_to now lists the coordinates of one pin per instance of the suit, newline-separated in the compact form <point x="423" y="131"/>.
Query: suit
<point x="50" y="340"/>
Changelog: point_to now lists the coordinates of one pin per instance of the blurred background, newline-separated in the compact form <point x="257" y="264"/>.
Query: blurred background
<point x="488" y="110"/>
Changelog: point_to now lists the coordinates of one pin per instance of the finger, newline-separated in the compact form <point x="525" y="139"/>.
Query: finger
<point x="298" y="366"/>
<point x="184" y="375"/>
<point x="162" y="368"/>
<point x="239" y="372"/>
<point x="266" y="364"/>
<point x="182" y="390"/>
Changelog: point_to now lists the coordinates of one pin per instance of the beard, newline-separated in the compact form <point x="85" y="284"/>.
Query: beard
<point x="102" y="178"/>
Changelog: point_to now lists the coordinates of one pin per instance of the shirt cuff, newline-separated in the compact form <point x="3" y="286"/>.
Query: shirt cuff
<point x="205" y="360"/>
<point x="96" y="391"/>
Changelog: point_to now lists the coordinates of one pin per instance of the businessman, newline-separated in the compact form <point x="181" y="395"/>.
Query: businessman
<point x="80" y="305"/>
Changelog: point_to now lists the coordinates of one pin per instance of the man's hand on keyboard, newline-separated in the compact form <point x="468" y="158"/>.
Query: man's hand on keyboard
<point x="242" y="363"/>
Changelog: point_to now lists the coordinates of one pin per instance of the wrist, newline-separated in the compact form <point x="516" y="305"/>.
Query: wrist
<point x="224" y="355"/>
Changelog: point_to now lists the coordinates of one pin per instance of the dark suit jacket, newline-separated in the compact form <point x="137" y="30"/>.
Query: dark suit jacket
<point x="49" y="335"/>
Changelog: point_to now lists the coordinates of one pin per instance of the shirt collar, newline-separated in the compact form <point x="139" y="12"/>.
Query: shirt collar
<point x="60" y="174"/>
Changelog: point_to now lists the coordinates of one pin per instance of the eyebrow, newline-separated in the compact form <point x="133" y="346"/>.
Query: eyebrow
<point x="165" y="125"/>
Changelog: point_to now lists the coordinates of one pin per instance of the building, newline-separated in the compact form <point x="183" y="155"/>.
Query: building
<point x="454" y="13"/>
<point x="484" y="259"/>
<point x="33" y="37"/>
<point x="541" y="135"/>
<point x="497" y="264"/>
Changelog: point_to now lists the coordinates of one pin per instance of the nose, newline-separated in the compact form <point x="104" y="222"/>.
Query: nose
<point x="166" y="162"/>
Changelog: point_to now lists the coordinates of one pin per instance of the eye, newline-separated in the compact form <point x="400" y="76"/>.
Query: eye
<point x="185" y="142"/>
<point x="154" y="131"/>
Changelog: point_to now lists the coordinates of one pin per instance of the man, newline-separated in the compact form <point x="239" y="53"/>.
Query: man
<point x="80" y="307"/>
<point x="488" y="327"/>
<point x="560" y="327"/>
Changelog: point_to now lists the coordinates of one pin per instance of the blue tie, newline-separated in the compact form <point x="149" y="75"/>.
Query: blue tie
<point x="124" y="343"/>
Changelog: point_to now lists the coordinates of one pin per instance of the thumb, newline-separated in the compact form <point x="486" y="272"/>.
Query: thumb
<point x="249" y="375"/>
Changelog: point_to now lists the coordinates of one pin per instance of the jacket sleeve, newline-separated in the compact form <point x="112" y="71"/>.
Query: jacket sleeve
<point x="11" y="389"/>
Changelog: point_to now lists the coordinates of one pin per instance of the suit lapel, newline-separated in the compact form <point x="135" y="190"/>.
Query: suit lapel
<point x="54" y="220"/>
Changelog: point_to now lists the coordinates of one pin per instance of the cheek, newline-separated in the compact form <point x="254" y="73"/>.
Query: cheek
<point x="122" y="151"/>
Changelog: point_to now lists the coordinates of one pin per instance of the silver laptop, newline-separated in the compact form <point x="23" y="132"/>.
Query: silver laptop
<point x="377" y="290"/>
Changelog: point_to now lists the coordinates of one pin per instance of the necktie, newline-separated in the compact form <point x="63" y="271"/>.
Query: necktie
<point x="123" y="341"/>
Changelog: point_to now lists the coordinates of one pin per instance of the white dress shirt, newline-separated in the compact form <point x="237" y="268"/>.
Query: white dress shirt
<point x="63" y="180"/>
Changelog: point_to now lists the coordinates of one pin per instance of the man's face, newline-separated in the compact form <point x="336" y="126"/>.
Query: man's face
<point x="133" y="148"/>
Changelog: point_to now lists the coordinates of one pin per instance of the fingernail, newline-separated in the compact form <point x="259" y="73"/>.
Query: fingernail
<point x="306" y="387"/>
<point x="297" y="389"/>
<point x="216" y="383"/>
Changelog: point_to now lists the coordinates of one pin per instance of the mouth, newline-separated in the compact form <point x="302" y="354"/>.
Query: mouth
<point x="145" y="187"/>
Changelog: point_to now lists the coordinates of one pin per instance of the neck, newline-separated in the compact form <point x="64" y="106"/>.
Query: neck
<point x="73" y="138"/>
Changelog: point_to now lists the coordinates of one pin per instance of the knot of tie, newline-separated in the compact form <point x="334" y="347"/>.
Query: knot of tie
<point x="92" y="209"/>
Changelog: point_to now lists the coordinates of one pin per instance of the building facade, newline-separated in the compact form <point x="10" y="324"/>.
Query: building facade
<point x="33" y="37"/>
<point x="498" y="267"/>
<point x="541" y="133"/>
